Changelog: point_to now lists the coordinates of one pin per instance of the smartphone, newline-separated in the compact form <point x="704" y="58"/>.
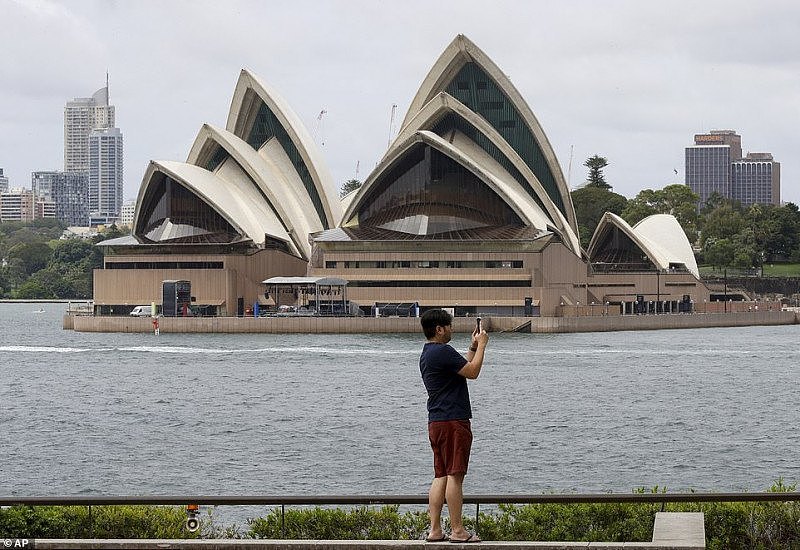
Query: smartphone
<point x="478" y="324"/>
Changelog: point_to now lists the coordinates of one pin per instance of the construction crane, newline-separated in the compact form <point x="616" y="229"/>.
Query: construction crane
<point x="318" y="134"/>
<point x="569" y="168"/>
<point x="391" y="124"/>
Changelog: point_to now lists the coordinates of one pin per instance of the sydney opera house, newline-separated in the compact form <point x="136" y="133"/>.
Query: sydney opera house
<point x="467" y="209"/>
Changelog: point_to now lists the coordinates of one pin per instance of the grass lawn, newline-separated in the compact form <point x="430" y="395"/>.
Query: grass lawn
<point x="770" y="270"/>
<point x="781" y="270"/>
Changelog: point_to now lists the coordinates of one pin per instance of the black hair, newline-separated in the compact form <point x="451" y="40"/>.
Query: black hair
<point x="434" y="318"/>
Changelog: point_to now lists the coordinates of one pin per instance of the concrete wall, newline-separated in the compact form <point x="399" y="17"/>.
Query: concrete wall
<point x="552" y="276"/>
<point x="601" y="309"/>
<point x="241" y="277"/>
<point x="411" y="325"/>
<point x="442" y="296"/>
<point x="659" y="322"/>
<point x="761" y="286"/>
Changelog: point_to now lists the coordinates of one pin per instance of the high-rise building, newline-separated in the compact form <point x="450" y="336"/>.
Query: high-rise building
<point x="708" y="163"/>
<point x="105" y="175"/>
<point x="756" y="179"/>
<point x="81" y="116"/>
<point x="43" y="202"/>
<point x="43" y="209"/>
<point x="17" y="205"/>
<point x="127" y="213"/>
<point x="3" y="182"/>
<point x="93" y="149"/>
<point x="43" y="183"/>
<point x="69" y="191"/>
<point x="714" y="164"/>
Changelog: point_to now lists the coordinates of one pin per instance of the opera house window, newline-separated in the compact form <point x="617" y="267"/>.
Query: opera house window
<point x="429" y="193"/>
<point x="178" y="215"/>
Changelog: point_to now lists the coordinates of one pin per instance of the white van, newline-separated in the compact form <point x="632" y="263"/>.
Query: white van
<point x="142" y="311"/>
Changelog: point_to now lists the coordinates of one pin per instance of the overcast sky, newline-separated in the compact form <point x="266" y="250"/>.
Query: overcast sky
<point x="632" y="81"/>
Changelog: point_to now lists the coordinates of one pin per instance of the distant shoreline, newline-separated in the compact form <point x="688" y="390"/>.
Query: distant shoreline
<point x="41" y="301"/>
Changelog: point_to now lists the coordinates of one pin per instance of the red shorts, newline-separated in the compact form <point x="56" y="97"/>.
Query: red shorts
<point x="451" y="441"/>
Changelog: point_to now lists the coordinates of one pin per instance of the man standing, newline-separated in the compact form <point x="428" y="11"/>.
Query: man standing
<point x="444" y="373"/>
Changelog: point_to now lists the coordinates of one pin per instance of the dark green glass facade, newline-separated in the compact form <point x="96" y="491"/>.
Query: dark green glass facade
<point x="217" y="157"/>
<point x="478" y="91"/>
<point x="266" y="126"/>
<point x="428" y="193"/>
<point x="616" y="251"/>
<point x="173" y="213"/>
<point x="455" y="122"/>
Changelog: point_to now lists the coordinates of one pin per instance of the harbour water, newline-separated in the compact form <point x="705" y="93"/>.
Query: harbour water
<point x="138" y="414"/>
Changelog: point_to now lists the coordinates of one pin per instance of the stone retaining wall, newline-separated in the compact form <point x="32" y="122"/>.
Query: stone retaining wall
<point x="363" y="325"/>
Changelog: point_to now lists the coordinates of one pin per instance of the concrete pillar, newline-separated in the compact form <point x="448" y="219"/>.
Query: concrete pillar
<point x="680" y="529"/>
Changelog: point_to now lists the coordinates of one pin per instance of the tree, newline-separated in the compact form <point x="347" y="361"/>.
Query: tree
<point x="733" y="236"/>
<point x="30" y="257"/>
<point x="714" y="201"/>
<point x="48" y="283"/>
<point x="111" y="232"/>
<point x="40" y="265"/>
<point x="80" y="284"/>
<point x="5" y="283"/>
<point x="31" y="290"/>
<point x="646" y="203"/>
<point x="349" y="186"/>
<point x="777" y="230"/>
<point x="76" y="260"/>
<point x="677" y="200"/>
<point x="680" y="201"/>
<point x="72" y="251"/>
<point x="719" y="252"/>
<point x="38" y="231"/>
<point x="739" y="251"/>
<point x="747" y="253"/>
<point x="723" y="222"/>
<point x="595" y="164"/>
<point x="590" y="204"/>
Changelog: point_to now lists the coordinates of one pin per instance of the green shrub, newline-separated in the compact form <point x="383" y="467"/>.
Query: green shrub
<point x="569" y="522"/>
<point x="360" y="523"/>
<point x="105" y="522"/>
<point x="729" y="525"/>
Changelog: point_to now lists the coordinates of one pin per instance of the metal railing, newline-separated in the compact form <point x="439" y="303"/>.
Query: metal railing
<point x="326" y="500"/>
<point x="371" y="500"/>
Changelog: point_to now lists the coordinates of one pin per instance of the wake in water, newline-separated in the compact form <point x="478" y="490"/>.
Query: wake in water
<point x="205" y="351"/>
<point x="47" y="349"/>
<point x="411" y="351"/>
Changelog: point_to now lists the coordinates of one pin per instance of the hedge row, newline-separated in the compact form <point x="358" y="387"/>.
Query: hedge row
<point x="730" y="526"/>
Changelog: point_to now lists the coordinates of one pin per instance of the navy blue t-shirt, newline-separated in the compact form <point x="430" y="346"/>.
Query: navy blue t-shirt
<point x="448" y="396"/>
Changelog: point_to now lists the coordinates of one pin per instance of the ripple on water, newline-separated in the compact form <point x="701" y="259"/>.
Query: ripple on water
<point x="228" y="413"/>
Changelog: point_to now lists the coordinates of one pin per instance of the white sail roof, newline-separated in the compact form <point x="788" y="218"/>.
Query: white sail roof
<point x="244" y="109"/>
<point x="277" y="189"/>
<point x="667" y="234"/>
<point x="443" y="104"/>
<point x="660" y="237"/>
<point x="462" y="51"/>
<point x="234" y="201"/>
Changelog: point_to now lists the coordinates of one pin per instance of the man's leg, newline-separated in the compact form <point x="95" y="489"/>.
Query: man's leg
<point x="455" y="500"/>
<point x="435" y="504"/>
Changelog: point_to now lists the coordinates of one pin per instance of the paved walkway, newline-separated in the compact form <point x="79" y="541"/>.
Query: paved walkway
<point x="54" y="544"/>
